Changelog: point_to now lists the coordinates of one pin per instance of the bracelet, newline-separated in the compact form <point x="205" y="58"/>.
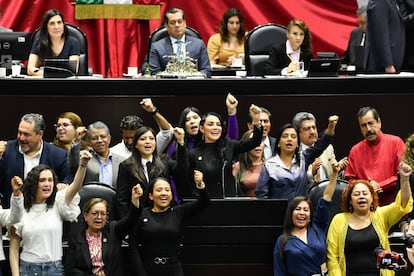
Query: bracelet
<point x="155" y="111"/>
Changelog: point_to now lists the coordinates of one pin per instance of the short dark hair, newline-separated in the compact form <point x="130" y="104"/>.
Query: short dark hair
<point x="262" y="109"/>
<point x="172" y="11"/>
<point x="131" y="122"/>
<point x="364" y="110"/>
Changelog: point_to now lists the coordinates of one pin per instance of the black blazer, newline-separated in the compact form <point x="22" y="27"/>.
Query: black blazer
<point x="278" y="59"/>
<point x="354" y="54"/>
<point x="78" y="260"/>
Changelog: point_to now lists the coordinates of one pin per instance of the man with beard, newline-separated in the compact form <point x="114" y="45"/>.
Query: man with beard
<point x="19" y="156"/>
<point x="321" y="168"/>
<point x="375" y="158"/>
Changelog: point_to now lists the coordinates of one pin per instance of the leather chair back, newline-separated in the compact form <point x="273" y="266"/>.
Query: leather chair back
<point x="316" y="191"/>
<point x="80" y="35"/>
<point x="90" y="190"/>
<point x="257" y="45"/>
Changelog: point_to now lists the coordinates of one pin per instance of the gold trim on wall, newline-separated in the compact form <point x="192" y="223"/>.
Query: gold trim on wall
<point x="117" y="11"/>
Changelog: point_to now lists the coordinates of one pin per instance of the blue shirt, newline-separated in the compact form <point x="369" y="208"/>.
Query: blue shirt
<point x="299" y="258"/>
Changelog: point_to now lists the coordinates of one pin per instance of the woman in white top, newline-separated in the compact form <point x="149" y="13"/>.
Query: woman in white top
<point x="12" y="215"/>
<point x="41" y="228"/>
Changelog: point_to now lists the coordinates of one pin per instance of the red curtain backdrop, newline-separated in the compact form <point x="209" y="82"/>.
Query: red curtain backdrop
<point x="115" y="44"/>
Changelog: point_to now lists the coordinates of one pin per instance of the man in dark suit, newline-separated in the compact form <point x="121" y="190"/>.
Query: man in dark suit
<point x="19" y="156"/>
<point x="407" y="11"/>
<point x="175" y="24"/>
<point x="386" y="36"/>
<point x="354" y="54"/>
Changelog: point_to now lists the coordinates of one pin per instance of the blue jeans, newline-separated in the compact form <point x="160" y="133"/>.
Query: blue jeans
<point x="41" y="269"/>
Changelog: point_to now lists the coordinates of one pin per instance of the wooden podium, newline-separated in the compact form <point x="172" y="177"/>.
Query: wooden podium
<point x="233" y="236"/>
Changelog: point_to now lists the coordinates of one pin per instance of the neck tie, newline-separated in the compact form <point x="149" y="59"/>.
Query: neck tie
<point x="178" y="43"/>
<point x="149" y="167"/>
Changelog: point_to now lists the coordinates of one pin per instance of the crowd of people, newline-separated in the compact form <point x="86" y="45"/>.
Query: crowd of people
<point x="202" y="158"/>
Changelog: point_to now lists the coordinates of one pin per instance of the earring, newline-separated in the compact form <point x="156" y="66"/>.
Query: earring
<point x="350" y="208"/>
<point x="371" y="208"/>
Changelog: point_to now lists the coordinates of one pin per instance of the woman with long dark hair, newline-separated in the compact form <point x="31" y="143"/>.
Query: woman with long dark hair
<point x="228" y="43"/>
<point x="145" y="165"/>
<point x="284" y="175"/>
<point x="53" y="42"/>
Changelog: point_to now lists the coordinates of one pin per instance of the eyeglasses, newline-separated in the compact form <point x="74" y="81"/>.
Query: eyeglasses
<point x="97" y="214"/>
<point x="65" y="125"/>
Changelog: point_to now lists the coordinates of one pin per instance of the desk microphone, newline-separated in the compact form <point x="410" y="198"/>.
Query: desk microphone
<point x="223" y="177"/>
<point x="60" y="69"/>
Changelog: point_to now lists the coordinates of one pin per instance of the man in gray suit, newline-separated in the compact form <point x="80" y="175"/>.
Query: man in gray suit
<point x="104" y="165"/>
<point x="174" y="22"/>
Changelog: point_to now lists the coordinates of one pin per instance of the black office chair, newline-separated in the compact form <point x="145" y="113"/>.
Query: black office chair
<point x="90" y="190"/>
<point x="76" y="32"/>
<point x="258" y="44"/>
<point x="160" y="33"/>
<point x="316" y="191"/>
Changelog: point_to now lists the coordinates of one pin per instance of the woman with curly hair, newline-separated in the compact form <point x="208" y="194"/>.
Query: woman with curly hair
<point x="41" y="228"/>
<point x="361" y="230"/>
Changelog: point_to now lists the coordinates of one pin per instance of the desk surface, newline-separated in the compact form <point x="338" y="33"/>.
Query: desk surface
<point x="243" y="86"/>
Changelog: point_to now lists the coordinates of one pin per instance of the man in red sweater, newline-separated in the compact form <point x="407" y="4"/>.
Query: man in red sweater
<point x="375" y="158"/>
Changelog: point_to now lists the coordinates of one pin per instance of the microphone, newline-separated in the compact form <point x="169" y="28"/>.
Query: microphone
<point x="60" y="69"/>
<point x="223" y="178"/>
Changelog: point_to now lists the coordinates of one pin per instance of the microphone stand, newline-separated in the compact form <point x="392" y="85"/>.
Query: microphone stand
<point x="223" y="177"/>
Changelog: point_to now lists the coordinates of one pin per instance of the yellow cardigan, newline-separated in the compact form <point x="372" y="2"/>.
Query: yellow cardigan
<point x="217" y="52"/>
<point x="383" y="218"/>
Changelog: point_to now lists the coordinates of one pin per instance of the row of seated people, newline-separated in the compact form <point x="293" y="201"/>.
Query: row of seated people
<point x="223" y="48"/>
<point x="53" y="41"/>
<point x="283" y="169"/>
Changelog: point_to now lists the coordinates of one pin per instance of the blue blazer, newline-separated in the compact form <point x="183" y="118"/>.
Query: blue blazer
<point x="161" y="49"/>
<point x="12" y="164"/>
